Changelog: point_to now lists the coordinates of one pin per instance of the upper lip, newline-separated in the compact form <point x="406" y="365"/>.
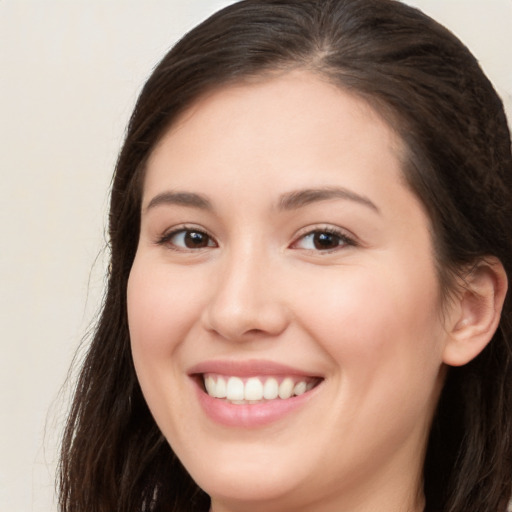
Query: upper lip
<point x="247" y="368"/>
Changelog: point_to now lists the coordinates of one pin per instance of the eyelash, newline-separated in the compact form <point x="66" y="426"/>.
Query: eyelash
<point x="167" y="237"/>
<point x="343" y="239"/>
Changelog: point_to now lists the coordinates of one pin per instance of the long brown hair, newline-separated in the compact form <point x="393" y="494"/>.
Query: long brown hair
<point x="431" y="90"/>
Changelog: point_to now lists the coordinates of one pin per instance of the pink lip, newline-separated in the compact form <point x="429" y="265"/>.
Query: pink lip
<point x="251" y="368"/>
<point x="248" y="415"/>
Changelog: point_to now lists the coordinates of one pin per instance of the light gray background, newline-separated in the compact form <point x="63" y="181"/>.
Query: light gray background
<point x="70" y="71"/>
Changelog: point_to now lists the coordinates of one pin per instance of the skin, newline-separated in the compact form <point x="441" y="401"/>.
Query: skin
<point x="364" y="315"/>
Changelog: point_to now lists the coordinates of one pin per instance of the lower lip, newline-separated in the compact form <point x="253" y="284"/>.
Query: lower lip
<point x="251" y="415"/>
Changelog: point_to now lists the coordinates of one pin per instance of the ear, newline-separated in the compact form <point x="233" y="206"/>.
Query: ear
<point x="475" y="315"/>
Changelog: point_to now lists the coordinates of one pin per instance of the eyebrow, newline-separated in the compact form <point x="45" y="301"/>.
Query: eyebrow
<point x="299" y="198"/>
<point x="289" y="201"/>
<point x="181" y="199"/>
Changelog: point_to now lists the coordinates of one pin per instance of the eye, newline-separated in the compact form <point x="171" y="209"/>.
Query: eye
<point x="187" y="239"/>
<point x="323" y="240"/>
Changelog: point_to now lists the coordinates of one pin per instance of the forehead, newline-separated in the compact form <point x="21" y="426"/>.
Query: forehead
<point x="281" y="123"/>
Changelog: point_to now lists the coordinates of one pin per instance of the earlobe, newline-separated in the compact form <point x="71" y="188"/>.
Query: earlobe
<point x="478" y="312"/>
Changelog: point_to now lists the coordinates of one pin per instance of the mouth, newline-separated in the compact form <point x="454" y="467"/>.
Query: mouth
<point x="254" y="393"/>
<point x="256" y="389"/>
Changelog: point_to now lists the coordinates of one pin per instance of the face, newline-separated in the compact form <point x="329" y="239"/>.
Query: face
<point x="283" y="304"/>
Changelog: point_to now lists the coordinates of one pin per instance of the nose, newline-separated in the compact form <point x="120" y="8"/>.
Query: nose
<point x="246" y="300"/>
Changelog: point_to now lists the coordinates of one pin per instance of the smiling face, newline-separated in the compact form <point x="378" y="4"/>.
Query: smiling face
<point x="285" y="268"/>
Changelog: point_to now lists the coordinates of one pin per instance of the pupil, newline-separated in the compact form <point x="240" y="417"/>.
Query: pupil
<point x="325" y="241"/>
<point x="193" y="239"/>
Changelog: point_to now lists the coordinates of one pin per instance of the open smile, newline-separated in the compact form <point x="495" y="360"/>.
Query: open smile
<point x="254" y="390"/>
<point x="251" y="394"/>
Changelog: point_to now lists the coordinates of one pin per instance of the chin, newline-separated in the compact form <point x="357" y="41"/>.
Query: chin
<point x="249" y="485"/>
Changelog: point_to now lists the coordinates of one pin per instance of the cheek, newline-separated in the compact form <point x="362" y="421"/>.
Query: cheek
<point x="378" y="324"/>
<point x="384" y="337"/>
<point x="162" y="306"/>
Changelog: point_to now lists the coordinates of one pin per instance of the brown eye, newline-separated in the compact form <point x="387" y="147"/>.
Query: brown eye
<point x="323" y="240"/>
<point x="196" y="240"/>
<point x="188" y="239"/>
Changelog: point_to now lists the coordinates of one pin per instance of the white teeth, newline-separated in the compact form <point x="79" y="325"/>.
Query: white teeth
<point x="255" y="389"/>
<point x="235" y="389"/>
<point x="209" y="384"/>
<point x="286" y="388"/>
<point x="220" y="388"/>
<point x="270" y="389"/>
<point x="300" y="388"/>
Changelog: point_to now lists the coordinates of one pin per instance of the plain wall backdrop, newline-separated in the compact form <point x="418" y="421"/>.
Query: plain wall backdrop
<point x="70" y="71"/>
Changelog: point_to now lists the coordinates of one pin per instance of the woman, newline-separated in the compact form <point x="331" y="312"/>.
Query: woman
<point x="311" y="233"/>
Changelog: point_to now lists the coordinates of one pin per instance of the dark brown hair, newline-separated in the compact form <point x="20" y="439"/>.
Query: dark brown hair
<point x="432" y="91"/>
